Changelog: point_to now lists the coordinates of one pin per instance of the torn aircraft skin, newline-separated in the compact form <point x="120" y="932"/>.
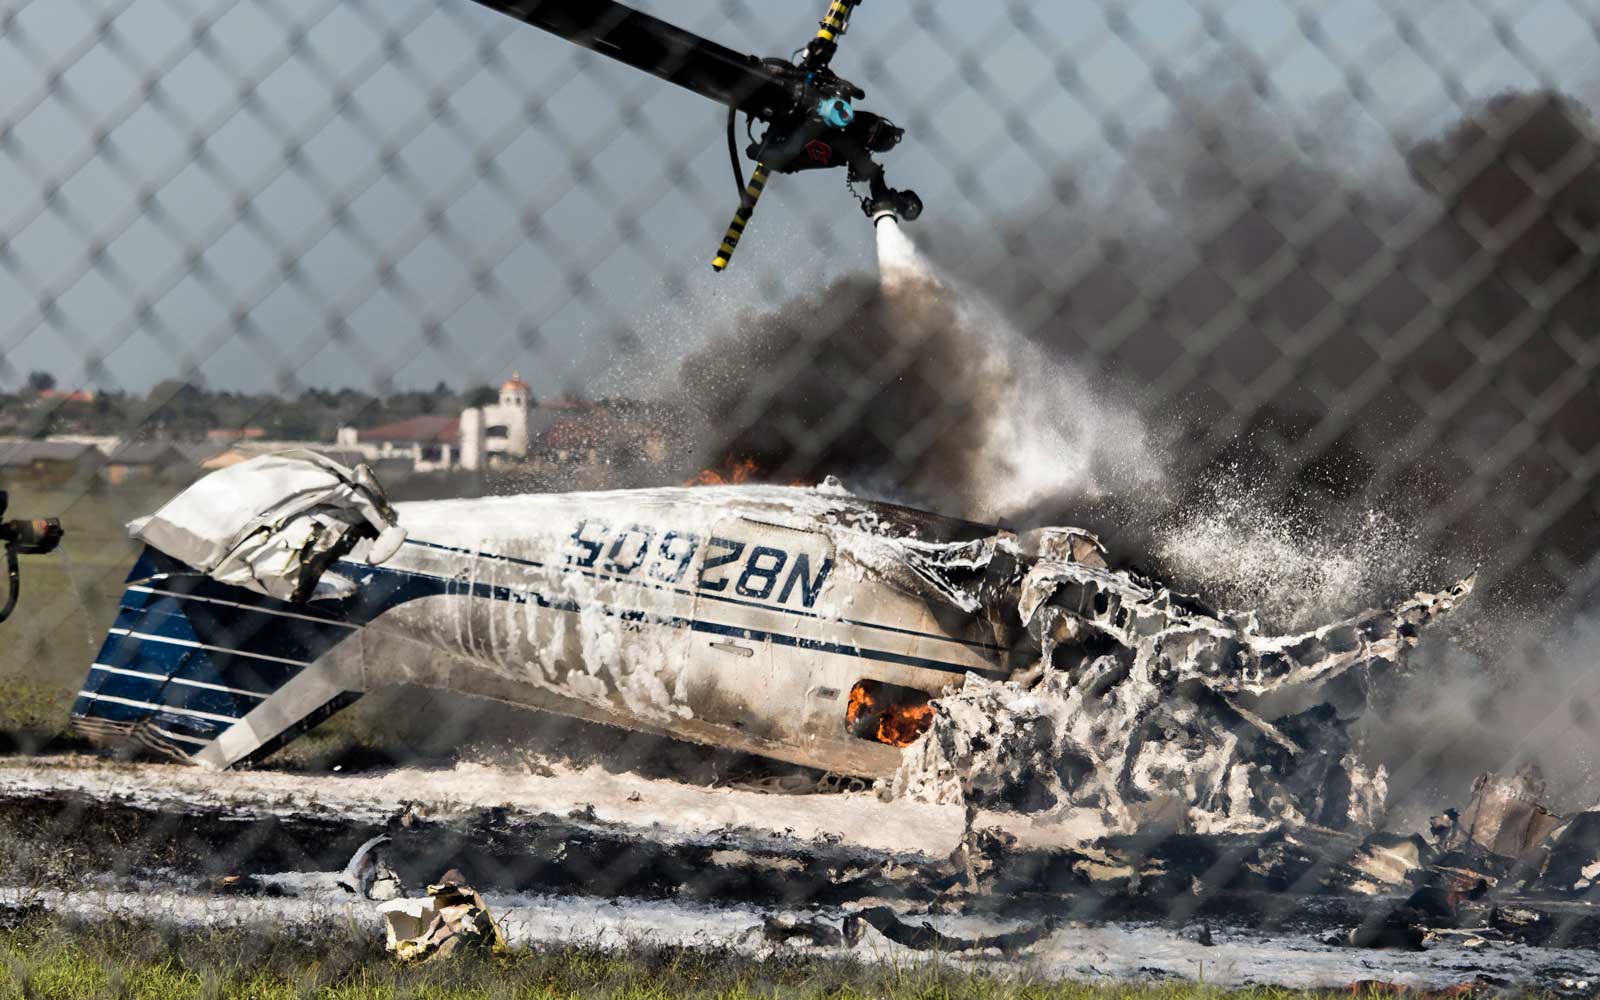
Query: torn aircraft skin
<point x="806" y="625"/>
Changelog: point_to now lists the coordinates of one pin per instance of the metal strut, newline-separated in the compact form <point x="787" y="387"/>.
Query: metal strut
<point x="14" y="584"/>
<point x="741" y="218"/>
<point x="28" y="538"/>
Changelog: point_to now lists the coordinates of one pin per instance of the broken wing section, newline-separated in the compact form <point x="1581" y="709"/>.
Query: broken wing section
<point x="275" y="523"/>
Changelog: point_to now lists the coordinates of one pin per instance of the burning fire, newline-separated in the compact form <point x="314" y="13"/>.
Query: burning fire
<point x="742" y="471"/>
<point x="898" y="724"/>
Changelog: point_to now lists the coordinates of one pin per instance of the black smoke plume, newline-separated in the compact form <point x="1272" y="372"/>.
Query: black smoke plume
<point x="1321" y="331"/>
<point x="853" y="381"/>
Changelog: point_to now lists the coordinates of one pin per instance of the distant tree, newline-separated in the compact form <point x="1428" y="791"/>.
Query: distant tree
<point x="41" y="381"/>
<point x="484" y="395"/>
<point x="178" y="408"/>
<point x="290" y="423"/>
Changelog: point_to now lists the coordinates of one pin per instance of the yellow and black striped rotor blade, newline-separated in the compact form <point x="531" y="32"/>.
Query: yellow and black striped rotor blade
<point x="837" y="20"/>
<point x="741" y="218"/>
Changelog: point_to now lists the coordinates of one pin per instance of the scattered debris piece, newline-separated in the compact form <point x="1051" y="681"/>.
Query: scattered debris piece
<point x="925" y="937"/>
<point x="246" y="885"/>
<point x="1505" y="816"/>
<point x="451" y="918"/>
<point x="1574" y="862"/>
<point x="1389" y="859"/>
<point x="814" y="931"/>
<point x="369" y="876"/>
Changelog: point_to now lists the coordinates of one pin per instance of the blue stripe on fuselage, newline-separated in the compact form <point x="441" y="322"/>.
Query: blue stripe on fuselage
<point x="420" y="583"/>
<point x="190" y="607"/>
<point x="229" y="627"/>
<point x="703" y="594"/>
<point x="113" y="711"/>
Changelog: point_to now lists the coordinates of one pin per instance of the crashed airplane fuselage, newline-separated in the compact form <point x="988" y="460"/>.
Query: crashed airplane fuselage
<point x="807" y="625"/>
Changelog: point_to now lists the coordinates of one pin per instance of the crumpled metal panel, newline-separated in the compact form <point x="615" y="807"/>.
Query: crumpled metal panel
<point x="273" y="524"/>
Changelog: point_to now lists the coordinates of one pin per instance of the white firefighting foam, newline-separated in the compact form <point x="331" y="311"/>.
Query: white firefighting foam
<point x="1294" y="573"/>
<point x="1187" y="720"/>
<point x="1052" y="435"/>
<point x="1049" y="433"/>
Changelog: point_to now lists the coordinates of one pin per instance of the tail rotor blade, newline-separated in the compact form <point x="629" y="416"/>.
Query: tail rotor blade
<point x="741" y="218"/>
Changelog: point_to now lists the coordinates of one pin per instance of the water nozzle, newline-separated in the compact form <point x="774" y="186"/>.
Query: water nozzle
<point x="902" y="206"/>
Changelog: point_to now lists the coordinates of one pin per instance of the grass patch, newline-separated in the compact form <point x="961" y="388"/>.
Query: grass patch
<point x="42" y="958"/>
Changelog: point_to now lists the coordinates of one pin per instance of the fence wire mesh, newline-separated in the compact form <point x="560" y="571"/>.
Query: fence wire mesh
<point x="1293" y="303"/>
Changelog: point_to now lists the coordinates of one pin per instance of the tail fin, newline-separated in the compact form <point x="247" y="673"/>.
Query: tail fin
<point x="208" y="673"/>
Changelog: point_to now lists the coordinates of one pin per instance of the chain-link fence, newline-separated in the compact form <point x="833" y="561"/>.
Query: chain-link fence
<point x="1293" y="304"/>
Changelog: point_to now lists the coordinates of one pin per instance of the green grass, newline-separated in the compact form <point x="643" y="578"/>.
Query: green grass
<point x="49" y="958"/>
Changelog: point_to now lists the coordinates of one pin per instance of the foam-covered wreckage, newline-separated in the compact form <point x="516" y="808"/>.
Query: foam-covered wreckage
<point x="820" y="932"/>
<point x="368" y="875"/>
<point x="1150" y="709"/>
<point x="806" y="625"/>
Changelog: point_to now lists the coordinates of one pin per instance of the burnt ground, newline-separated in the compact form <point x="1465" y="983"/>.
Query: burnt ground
<point x="1268" y="884"/>
<point x="579" y="857"/>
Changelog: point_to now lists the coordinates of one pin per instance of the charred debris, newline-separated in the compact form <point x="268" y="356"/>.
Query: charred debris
<point x="1503" y="868"/>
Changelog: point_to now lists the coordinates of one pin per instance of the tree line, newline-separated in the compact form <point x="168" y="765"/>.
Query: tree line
<point x="179" y="409"/>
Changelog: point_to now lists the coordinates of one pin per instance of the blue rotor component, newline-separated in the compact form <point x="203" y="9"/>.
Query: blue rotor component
<point x="836" y="111"/>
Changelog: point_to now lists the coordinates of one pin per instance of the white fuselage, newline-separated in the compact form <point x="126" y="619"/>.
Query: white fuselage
<point x="736" y="617"/>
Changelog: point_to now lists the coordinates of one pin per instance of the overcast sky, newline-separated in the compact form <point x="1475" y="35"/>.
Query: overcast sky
<point x="363" y="192"/>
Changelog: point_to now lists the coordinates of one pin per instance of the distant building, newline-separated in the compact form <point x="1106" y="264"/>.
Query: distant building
<point x="236" y="434"/>
<point x="142" y="460"/>
<point x="481" y="436"/>
<point x="619" y="432"/>
<point x="502" y="430"/>
<point x="427" y="442"/>
<point x="107" y="443"/>
<point x="66" y="396"/>
<point x="49" y="461"/>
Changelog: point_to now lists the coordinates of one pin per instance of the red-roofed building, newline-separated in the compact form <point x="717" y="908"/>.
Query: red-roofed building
<point x="67" y="396"/>
<point x="429" y="442"/>
<point x="479" y="437"/>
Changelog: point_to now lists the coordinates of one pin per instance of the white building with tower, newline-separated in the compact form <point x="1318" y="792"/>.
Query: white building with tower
<point x="483" y="435"/>
<point x="502" y="430"/>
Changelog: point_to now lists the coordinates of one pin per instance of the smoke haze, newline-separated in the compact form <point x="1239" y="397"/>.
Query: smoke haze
<point x="1280" y="374"/>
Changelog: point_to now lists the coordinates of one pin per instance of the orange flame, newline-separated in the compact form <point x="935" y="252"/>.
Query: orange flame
<point x="902" y="724"/>
<point x="899" y="725"/>
<point x="742" y="471"/>
<point x="860" y="704"/>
